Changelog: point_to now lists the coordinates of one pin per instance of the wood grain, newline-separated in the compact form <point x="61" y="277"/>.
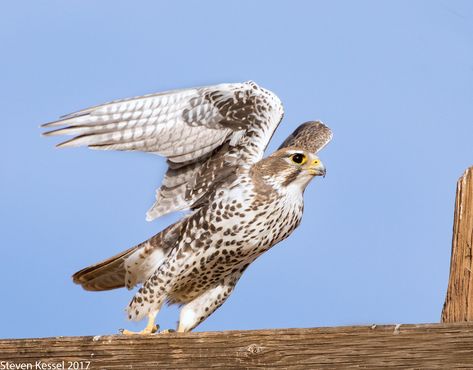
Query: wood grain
<point x="459" y="300"/>
<point x="432" y="346"/>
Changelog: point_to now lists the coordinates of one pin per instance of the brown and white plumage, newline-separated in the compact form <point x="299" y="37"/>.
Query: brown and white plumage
<point x="214" y="138"/>
<point x="200" y="131"/>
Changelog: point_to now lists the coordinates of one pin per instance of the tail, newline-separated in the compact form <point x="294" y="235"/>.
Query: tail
<point x="105" y="275"/>
<point x="133" y="266"/>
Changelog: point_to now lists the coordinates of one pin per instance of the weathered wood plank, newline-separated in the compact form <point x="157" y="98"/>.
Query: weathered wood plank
<point x="432" y="346"/>
<point x="459" y="300"/>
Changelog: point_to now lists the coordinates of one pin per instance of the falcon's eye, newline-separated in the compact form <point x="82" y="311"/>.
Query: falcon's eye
<point x="299" y="158"/>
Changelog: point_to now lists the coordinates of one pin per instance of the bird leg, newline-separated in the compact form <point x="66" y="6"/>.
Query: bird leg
<point x="150" y="328"/>
<point x="196" y="311"/>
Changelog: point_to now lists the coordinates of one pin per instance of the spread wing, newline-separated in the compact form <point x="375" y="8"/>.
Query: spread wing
<point x="203" y="132"/>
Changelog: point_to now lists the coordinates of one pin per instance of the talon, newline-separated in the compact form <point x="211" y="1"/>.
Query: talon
<point x="166" y="331"/>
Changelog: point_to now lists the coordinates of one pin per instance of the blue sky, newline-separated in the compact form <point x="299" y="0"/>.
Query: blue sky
<point x="393" y="79"/>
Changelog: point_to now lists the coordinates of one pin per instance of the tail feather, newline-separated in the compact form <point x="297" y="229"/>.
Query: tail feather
<point x="133" y="266"/>
<point x="105" y="275"/>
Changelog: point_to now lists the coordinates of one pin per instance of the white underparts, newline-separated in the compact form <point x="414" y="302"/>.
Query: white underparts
<point x="139" y="269"/>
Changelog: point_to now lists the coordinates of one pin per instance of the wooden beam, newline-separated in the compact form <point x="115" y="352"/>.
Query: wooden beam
<point x="459" y="300"/>
<point x="442" y="346"/>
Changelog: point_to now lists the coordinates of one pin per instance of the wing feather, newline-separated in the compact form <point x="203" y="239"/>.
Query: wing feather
<point x="199" y="130"/>
<point x="312" y="136"/>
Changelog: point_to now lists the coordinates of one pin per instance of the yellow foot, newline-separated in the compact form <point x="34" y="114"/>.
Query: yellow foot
<point x="148" y="330"/>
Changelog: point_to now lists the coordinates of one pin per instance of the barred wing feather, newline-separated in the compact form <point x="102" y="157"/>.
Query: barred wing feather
<point x="199" y="130"/>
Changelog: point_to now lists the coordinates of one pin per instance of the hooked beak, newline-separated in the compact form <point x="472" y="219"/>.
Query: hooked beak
<point x="317" y="168"/>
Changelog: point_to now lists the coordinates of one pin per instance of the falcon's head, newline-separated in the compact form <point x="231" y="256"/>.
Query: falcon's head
<point x="290" y="166"/>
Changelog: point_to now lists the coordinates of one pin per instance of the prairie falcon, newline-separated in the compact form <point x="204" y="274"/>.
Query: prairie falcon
<point x="240" y="204"/>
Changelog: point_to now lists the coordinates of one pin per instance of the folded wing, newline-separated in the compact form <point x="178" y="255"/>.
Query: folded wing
<point x="313" y="136"/>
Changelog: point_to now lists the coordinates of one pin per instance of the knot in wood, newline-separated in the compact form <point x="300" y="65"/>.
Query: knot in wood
<point x="254" y="349"/>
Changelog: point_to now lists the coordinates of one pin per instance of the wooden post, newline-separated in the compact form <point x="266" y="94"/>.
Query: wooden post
<point x="459" y="301"/>
<point x="426" y="346"/>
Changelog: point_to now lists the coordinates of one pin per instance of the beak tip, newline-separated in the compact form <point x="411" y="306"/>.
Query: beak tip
<point x="323" y="172"/>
